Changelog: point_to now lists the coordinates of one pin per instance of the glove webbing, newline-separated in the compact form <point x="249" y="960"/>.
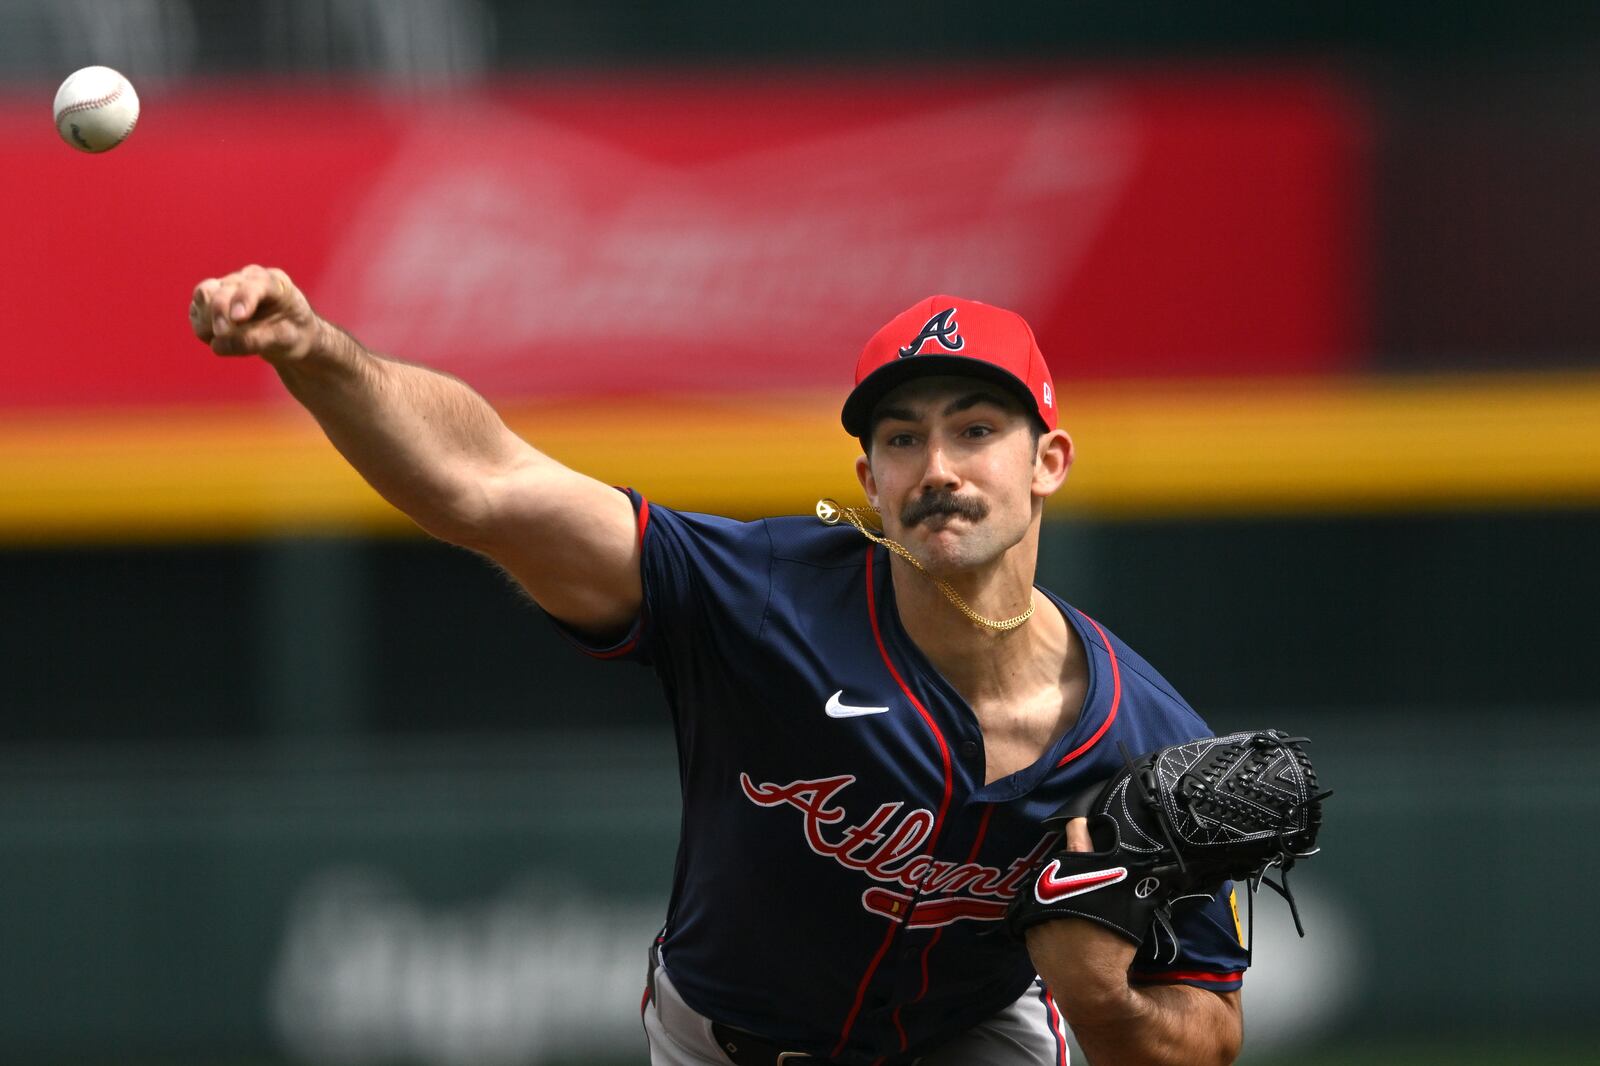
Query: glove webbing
<point x="1284" y="860"/>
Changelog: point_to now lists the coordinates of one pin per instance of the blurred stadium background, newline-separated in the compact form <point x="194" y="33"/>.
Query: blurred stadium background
<point x="281" y="781"/>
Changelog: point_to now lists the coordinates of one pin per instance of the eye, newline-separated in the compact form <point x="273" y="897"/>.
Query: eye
<point x="978" y="431"/>
<point x="899" y="440"/>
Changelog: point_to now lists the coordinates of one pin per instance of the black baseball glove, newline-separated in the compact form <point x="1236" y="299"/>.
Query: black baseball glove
<point x="1172" y="827"/>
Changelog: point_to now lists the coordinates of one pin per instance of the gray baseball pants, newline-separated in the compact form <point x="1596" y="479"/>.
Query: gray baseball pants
<point x="1027" y="1033"/>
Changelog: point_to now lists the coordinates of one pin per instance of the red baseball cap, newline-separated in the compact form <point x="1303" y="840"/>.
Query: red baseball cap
<point x="949" y="335"/>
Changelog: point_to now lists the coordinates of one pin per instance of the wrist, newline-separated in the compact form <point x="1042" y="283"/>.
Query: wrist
<point x="1112" y="1004"/>
<point x="324" y="343"/>
<point x="324" y="348"/>
<point x="1086" y="967"/>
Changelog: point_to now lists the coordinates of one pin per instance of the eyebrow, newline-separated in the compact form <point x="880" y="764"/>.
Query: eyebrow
<point x="971" y="399"/>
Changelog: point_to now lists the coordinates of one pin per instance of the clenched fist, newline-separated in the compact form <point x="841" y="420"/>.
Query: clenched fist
<point x="255" y="311"/>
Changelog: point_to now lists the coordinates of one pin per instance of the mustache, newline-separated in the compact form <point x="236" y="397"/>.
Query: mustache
<point x="942" y="503"/>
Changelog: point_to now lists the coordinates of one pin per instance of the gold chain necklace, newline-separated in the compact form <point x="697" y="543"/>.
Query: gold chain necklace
<point x="830" y="513"/>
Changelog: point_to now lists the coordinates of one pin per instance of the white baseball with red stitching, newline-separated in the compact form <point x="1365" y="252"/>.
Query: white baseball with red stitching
<point x="96" y="109"/>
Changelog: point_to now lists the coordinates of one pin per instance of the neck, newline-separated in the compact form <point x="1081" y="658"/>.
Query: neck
<point x="979" y="661"/>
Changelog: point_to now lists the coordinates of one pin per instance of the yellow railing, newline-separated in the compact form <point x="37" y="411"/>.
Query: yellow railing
<point x="1166" y="448"/>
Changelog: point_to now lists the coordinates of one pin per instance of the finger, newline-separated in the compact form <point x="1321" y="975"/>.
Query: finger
<point x="270" y="338"/>
<point x="257" y="286"/>
<point x="215" y="309"/>
<point x="244" y="340"/>
<point x="280" y="287"/>
<point x="242" y="304"/>
<point x="235" y="301"/>
<point x="222" y="297"/>
<point x="244" y="296"/>
<point x="203" y="291"/>
<point x="1078" y="835"/>
<point x="199" y="308"/>
<point x="230" y="344"/>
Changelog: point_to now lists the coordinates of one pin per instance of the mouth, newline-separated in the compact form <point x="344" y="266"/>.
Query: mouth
<point x="935" y="522"/>
<point x="938" y="509"/>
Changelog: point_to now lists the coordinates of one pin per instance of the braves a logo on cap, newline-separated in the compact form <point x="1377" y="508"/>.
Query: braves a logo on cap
<point x="1050" y="888"/>
<point x="942" y="328"/>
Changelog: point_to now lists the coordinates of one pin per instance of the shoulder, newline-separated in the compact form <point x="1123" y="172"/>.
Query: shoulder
<point x="803" y="540"/>
<point x="661" y="522"/>
<point x="1160" y="707"/>
<point x="797" y="539"/>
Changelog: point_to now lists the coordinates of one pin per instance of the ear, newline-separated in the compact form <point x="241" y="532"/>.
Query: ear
<point x="869" y="484"/>
<point x="1051" y="462"/>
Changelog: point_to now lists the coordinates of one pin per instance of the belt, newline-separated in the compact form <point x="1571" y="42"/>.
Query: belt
<point x="742" y="1048"/>
<point x="748" y="1049"/>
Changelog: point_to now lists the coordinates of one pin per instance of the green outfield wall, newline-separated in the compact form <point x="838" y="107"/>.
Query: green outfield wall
<point x="490" y="900"/>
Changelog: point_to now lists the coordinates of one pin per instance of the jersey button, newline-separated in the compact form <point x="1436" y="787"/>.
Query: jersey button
<point x="969" y="749"/>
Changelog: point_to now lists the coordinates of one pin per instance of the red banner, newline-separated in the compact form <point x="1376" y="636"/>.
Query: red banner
<point x="595" y="236"/>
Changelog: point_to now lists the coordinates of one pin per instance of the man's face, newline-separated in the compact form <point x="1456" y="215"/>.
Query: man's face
<point x="952" y="470"/>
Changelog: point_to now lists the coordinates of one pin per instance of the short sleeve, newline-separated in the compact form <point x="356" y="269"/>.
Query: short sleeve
<point x="1211" y="951"/>
<point x="707" y="581"/>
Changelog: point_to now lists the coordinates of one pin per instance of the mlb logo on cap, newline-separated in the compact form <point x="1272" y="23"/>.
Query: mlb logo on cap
<point x="950" y="335"/>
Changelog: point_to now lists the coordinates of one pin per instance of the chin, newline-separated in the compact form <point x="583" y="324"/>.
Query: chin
<point x="948" y="552"/>
<point x="952" y="550"/>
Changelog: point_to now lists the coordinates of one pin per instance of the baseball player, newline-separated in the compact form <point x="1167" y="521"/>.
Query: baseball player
<point x="873" y="724"/>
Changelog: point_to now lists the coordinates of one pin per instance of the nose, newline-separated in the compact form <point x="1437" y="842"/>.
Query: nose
<point x="938" y="474"/>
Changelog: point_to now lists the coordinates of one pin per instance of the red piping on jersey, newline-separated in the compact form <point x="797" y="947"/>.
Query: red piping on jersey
<point x="972" y="857"/>
<point x="944" y="749"/>
<point x="938" y="819"/>
<point x="898" y="1028"/>
<point x="1186" y="975"/>
<point x="861" y="990"/>
<point x="1116" y="696"/>
<point x="612" y="653"/>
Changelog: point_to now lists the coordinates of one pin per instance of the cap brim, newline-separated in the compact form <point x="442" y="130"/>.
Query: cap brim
<point x="858" y="406"/>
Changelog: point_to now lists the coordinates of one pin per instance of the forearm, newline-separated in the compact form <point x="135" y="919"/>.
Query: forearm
<point x="1121" y="1024"/>
<point x="437" y="451"/>
<point x="1159" y="1025"/>
<point x="425" y="441"/>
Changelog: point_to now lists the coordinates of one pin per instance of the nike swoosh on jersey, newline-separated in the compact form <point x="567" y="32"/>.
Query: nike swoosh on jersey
<point x="836" y="709"/>
<point x="1052" y="889"/>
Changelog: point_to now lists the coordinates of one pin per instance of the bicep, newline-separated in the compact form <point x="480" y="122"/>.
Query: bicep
<point x="570" y="541"/>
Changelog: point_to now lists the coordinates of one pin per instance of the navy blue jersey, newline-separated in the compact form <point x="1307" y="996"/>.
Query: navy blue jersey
<point x="843" y="867"/>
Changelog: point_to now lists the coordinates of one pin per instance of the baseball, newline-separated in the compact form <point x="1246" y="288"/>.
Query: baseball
<point x="96" y="109"/>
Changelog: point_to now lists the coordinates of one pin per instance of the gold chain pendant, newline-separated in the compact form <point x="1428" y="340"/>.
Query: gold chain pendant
<point x="831" y="513"/>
